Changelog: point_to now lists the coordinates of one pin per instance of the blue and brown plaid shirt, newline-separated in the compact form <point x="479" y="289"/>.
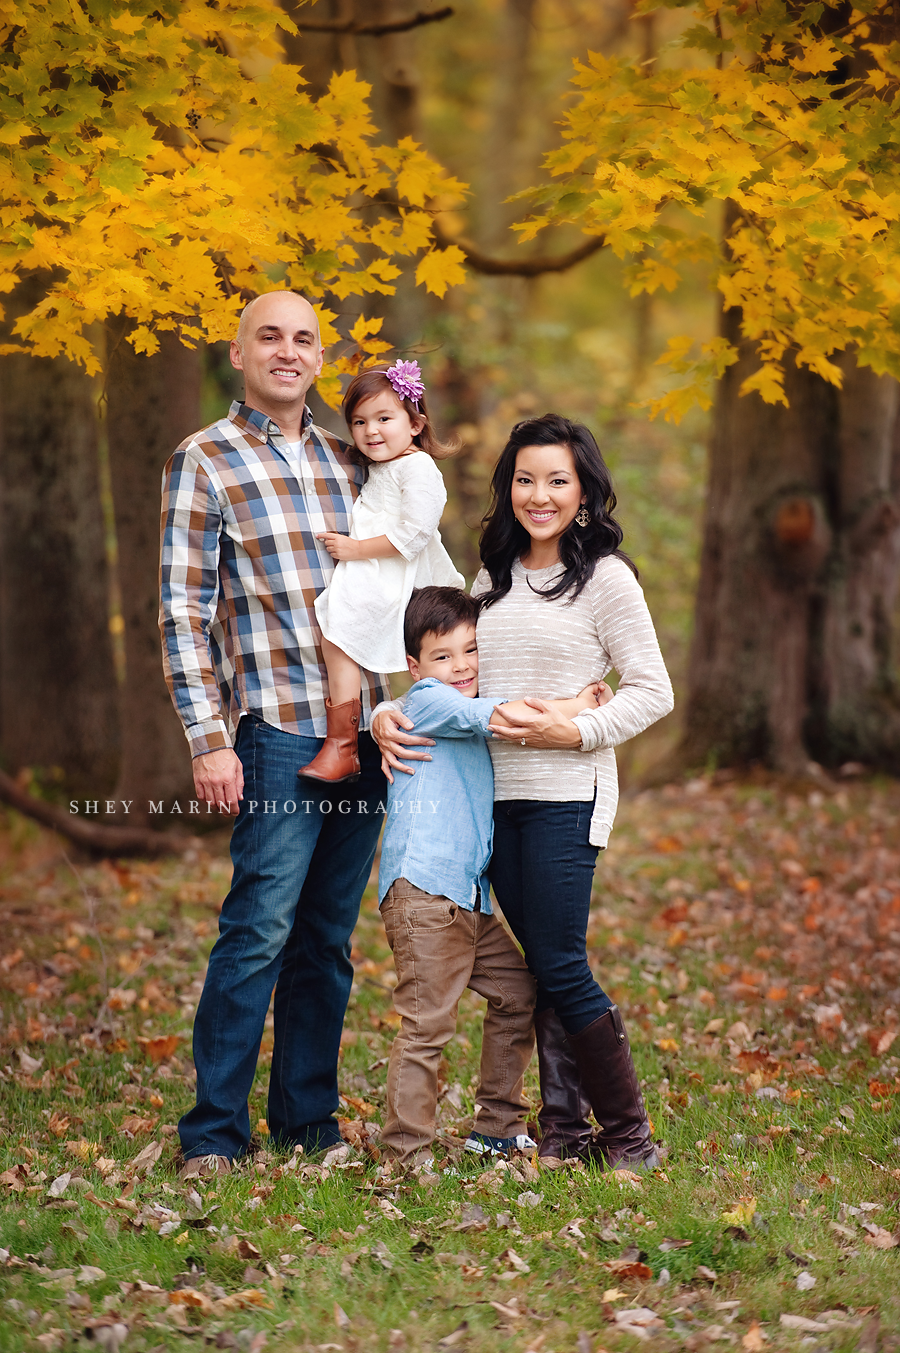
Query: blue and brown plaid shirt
<point x="240" y="569"/>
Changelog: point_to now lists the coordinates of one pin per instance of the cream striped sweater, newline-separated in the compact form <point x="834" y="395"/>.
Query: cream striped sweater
<point x="551" y="649"/>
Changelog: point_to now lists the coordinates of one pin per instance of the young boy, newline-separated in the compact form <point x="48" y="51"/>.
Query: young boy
<point x="435" y="897"/>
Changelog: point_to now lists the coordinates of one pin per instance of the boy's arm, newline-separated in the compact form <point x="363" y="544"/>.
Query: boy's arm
<point x="438" y="711"/>
<point x="593" y="695"/>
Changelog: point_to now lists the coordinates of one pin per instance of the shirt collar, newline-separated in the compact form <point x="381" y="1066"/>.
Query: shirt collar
<point x="261" y="425"/>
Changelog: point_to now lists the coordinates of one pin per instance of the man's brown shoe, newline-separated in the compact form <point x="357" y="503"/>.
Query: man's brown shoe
<point x="205" y="1167"/>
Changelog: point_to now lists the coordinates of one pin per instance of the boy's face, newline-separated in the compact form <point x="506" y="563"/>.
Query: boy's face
<point x="452" y="658"/>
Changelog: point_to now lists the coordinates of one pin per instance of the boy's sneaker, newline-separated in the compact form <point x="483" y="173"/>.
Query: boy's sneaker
<point x="480" y="1145"/>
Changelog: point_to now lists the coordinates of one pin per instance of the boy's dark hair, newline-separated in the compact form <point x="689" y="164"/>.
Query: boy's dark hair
<point x="436" y="610"/>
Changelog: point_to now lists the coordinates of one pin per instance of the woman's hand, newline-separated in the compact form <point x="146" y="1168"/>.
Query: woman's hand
<point x="545" y="728"/>
<point x="390" y="731"/>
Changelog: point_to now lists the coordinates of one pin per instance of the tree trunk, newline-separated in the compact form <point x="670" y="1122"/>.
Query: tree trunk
<point x="58" y="694"/>
<point x="154" y="403"/>
<point x="793" y="654"/>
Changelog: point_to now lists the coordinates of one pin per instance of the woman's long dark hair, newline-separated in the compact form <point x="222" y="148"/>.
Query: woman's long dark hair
<point x="504" y="539"/>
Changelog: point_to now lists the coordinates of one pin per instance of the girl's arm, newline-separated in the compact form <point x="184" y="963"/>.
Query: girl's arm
<point x="343" y="547"/>
<point x="518" y="711"/>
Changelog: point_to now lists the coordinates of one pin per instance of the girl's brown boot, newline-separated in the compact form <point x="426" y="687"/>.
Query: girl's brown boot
<point x="338" y="758"/>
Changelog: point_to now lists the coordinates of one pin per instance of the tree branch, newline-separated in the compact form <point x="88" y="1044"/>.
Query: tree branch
<point x="523" y="267"/>
<point x="98" y="839"/>
<point x="373" y="30"/>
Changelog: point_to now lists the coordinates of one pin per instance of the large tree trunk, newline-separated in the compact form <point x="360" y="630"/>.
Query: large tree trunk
<point x="58" y="694"/>
<point x="793" y="654"/>
<point x="154" y="403"/>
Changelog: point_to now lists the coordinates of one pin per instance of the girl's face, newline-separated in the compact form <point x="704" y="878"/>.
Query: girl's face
<point x="546" y="491"/>
<point x="382" y="429"/>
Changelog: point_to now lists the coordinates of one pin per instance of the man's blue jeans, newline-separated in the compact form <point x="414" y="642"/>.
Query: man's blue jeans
<point x="541" y="870"/>
<point x="302" y="853"/>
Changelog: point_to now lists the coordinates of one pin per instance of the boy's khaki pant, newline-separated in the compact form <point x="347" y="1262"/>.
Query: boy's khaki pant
<point x="439" y="950"/>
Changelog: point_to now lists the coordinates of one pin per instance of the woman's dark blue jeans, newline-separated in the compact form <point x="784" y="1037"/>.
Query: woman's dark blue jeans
<point x="541" y="872"/>
<point x="302" y="852"/>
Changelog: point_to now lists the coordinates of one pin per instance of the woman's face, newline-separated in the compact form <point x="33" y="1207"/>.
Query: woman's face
<point x="546" y="491"/>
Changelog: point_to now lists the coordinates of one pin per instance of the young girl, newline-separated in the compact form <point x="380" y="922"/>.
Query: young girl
<point x="394" y="545"/>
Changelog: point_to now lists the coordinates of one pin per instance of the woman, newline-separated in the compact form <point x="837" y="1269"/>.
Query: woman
<point x="561" y="607"/>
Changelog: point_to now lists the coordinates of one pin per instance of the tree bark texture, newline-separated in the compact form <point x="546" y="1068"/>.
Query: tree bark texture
<point x="794" y="651"/>
<point x="154" y="403"/>
<point x="58" y="692"/>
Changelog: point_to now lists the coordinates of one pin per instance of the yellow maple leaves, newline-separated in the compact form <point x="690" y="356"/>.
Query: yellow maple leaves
<point x="158" y="160"/>
<point x="798" y="130"/>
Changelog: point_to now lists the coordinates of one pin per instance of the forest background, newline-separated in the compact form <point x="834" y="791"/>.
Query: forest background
<point x="764" y="174"/>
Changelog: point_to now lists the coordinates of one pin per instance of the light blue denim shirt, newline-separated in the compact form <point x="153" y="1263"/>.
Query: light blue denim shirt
<point x="440" y="821"/>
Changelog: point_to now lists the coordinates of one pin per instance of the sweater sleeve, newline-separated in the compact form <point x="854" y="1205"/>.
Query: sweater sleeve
<point x="626" y="631"/>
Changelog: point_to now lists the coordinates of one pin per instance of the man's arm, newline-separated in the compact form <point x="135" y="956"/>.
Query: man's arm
<point x="189" y="594"/>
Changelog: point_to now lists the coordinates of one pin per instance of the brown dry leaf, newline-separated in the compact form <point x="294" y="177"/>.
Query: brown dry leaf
<point x="189" y="1296"/>
<point x="83" y="1150"/>
<point x="145" y="1160"/>
<point x="58" y="1124"/>
<point x="361" y="1106"/>
<point x="137" y="1125"/>
<point x="880" y="1040"/>
<point x="341" y="1318"/>
<point x="629" y="1268"/>
<point x="242" y="1301"/>
<point x="14" y="1178"/>
<point x="121" y="998"/>
<point x="248" y="1251"/>
<point x="754" y="1339"/>
<point x="879" y="1237"/>
<point x="9" y="961"/>
<point x="159" y="1049"/>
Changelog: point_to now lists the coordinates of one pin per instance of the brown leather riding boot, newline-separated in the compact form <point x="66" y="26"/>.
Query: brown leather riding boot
<point x="338" y="758"/>
<point x="565" y="1131"/>
<point x="603" y="1056"/>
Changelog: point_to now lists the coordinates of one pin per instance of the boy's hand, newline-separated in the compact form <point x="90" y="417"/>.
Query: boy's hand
<point x="390" y="731"/>
<point x="338" y="546"/>
<point x="594" y="694"/>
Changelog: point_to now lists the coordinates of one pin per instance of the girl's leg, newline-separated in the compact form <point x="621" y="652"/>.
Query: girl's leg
<point x="344" y="681"/>
<point x="338" y="758"/>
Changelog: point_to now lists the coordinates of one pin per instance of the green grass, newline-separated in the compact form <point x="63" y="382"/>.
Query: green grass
<point x="762" y="915"/>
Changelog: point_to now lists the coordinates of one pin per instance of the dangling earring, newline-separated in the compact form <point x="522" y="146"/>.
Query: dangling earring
<point x="583" y="517"/>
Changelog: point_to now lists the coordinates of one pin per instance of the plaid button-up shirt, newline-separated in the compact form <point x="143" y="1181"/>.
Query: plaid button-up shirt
<point x="240" y="569"/>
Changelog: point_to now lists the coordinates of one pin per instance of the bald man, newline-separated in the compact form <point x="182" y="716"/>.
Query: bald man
<point x="243" y="503"/>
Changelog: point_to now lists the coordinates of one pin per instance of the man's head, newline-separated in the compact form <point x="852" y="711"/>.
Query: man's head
<point x="279" y="351"/>
<point x="439" y="634"/>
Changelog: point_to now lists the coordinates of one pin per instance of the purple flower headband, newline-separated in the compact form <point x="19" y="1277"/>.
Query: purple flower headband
<point x="406" y="379"/>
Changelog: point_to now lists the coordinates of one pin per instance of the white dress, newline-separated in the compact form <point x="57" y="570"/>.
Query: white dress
<point x="362" y="608"/>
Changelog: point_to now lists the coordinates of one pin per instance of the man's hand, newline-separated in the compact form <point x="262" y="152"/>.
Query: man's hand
<point x="338" y="546"/>
<point x="219" y="779"/>
<point x="388" y="730"/>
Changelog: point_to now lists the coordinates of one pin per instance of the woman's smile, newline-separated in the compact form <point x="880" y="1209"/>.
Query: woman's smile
<point x="546" y="493"/>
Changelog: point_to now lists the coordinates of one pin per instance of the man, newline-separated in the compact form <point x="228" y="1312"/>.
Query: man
<point x="243" y="502"/>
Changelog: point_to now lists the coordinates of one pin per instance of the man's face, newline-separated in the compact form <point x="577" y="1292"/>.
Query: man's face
<point x="452" y="658"/>
<point x="281" y="356"/>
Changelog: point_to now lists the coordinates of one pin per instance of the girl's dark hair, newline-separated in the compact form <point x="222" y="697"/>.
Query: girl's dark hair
<point x="372" y="381"/>
<point x="436" y="610"/>
<point x="504" y="539"/>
